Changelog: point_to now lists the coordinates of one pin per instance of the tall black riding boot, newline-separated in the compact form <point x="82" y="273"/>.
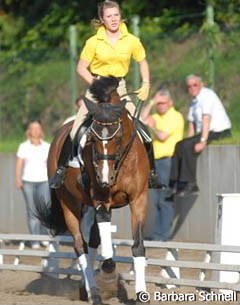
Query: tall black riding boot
<point x="56" y="181"/>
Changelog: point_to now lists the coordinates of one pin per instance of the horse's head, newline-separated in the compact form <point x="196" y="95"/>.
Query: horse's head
<point x="106" y="133"/>
<point x="106" y="137"/>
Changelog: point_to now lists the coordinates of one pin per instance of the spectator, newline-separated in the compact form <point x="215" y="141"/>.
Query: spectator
<point x="31" y="175"/>
<point x="208" y="121"/>
<point x="78" y="104"/>
<point x="167" y="126"/>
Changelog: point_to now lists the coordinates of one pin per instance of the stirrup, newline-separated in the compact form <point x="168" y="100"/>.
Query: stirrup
<point x="57" y="180"/>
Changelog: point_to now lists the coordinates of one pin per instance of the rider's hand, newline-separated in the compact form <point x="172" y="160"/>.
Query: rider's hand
<point x="143" y="91"/>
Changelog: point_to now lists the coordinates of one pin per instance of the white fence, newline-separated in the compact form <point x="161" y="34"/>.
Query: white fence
<point x="169" y="263"/>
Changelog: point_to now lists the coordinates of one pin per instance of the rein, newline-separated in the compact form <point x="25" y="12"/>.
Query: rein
<point x="126" y="150"/>
<point x="138" y="106"/>
<point x="136" y="116"/>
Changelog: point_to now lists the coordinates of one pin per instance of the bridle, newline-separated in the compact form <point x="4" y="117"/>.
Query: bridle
<point x="121" y="151"/>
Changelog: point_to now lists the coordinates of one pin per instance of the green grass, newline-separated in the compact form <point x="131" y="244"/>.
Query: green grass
<point x="44" y="91"/>
<point x="9" y="146"/>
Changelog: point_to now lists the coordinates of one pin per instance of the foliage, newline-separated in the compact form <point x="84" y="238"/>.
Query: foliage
<point x="34" y="57"/>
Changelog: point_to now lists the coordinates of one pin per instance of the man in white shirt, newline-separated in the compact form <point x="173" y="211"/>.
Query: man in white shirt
<point x="208" y="121"/>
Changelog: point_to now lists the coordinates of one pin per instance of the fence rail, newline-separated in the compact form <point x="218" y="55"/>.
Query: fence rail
<point x="165" y="258"/>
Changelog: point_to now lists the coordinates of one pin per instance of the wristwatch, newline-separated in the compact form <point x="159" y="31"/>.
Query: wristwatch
<point x="203" y="140"/>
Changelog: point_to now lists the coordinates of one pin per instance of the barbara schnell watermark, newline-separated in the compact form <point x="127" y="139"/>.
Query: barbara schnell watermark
<point x="200" y="296"/>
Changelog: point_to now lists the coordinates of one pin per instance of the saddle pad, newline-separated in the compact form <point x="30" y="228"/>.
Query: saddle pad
<point x="74" y="163"/>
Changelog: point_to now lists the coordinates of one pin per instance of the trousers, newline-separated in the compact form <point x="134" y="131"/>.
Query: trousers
<point x="30" y="191"/>
<point x="184" y="162"/>
<point x="82" y="112"/>
<point x="164" y="209"/>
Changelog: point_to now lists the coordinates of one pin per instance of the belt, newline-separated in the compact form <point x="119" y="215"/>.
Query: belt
<point x="98" y="76"/>
<point x="162" y="158"/>
<point x="223" y="132"/>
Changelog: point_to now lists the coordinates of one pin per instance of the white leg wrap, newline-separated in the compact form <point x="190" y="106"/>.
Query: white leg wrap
<point x="87" y="271"/>
<point x="106" y="239"/>
<point x="139" y="268"/>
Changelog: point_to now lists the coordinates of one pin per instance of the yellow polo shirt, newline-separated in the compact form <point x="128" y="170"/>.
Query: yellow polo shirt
<point x="107" y="59"/>
<point x="171" y="122"/>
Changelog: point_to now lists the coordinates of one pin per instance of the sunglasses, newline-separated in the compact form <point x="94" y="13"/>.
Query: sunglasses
<point x="162" y="104"/>
<point x="192" y="85"/>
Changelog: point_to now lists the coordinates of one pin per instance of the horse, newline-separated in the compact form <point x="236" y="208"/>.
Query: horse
<point x="65" y="213"/>
<point x="116" y="162"/>
<point x="112" y="153"/>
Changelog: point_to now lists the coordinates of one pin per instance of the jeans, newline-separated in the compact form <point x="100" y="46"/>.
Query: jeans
<point x="184" y="162"/>
<point x="30" y="190"/>
<point x="164" y="209"/>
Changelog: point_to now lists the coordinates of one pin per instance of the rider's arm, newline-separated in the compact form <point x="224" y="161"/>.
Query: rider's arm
<point x="82" y="70"/>
<point x="143" y="91"/>
<point x="144" y="71"/>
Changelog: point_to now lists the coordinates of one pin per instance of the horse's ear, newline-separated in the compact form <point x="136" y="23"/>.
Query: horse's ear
<point x="91" y="106"/>
<point x="124" y="102"/>
<point x="120" y="107"/>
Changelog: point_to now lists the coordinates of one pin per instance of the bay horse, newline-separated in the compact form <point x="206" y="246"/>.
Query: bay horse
<point x="117" y="164"/>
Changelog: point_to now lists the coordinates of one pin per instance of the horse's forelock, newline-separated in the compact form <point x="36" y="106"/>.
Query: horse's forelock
<point x="102" y="88"/>
<point x="107" y="114"/>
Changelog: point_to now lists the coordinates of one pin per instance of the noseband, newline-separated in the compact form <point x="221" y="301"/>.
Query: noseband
<point x="105" y="130"/>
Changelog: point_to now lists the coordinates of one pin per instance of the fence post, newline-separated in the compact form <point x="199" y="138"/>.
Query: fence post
<point x="210" y="22"/>
<point x="73" y="61"/>
<point x="136" y="32"/>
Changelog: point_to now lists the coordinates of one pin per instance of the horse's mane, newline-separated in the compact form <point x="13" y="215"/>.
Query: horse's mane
<point x="102" y="88"/>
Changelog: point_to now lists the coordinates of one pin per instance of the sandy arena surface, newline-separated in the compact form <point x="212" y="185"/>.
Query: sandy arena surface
<point x="29" y="288"/>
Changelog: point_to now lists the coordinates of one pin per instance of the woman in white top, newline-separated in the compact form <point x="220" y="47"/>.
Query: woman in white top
<point x="31" y="174"/>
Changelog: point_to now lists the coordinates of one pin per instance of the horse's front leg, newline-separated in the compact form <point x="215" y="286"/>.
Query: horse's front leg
<point x="138" y="216"/>
<point x="103" y="217"/>
<point x="81" y="251"/>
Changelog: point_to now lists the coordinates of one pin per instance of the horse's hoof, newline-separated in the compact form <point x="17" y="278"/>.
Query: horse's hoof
<point x="96" y="300"/>
<point x="95" y="296"/>
<point x="142" y="297"/>
<point x="108" y="265"/>
<point x="83" y="295"/>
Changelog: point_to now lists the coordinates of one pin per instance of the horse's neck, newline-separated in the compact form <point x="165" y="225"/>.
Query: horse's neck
<point x="128" y="125"/>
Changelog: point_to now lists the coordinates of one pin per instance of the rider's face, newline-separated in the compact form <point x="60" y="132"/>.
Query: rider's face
<point x="111" y="19"/>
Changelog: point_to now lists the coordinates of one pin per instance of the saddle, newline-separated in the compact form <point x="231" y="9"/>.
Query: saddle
<point x="77" y="144"/>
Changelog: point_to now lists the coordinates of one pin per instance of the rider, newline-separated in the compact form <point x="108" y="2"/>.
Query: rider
<point x="108" y="53"/>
